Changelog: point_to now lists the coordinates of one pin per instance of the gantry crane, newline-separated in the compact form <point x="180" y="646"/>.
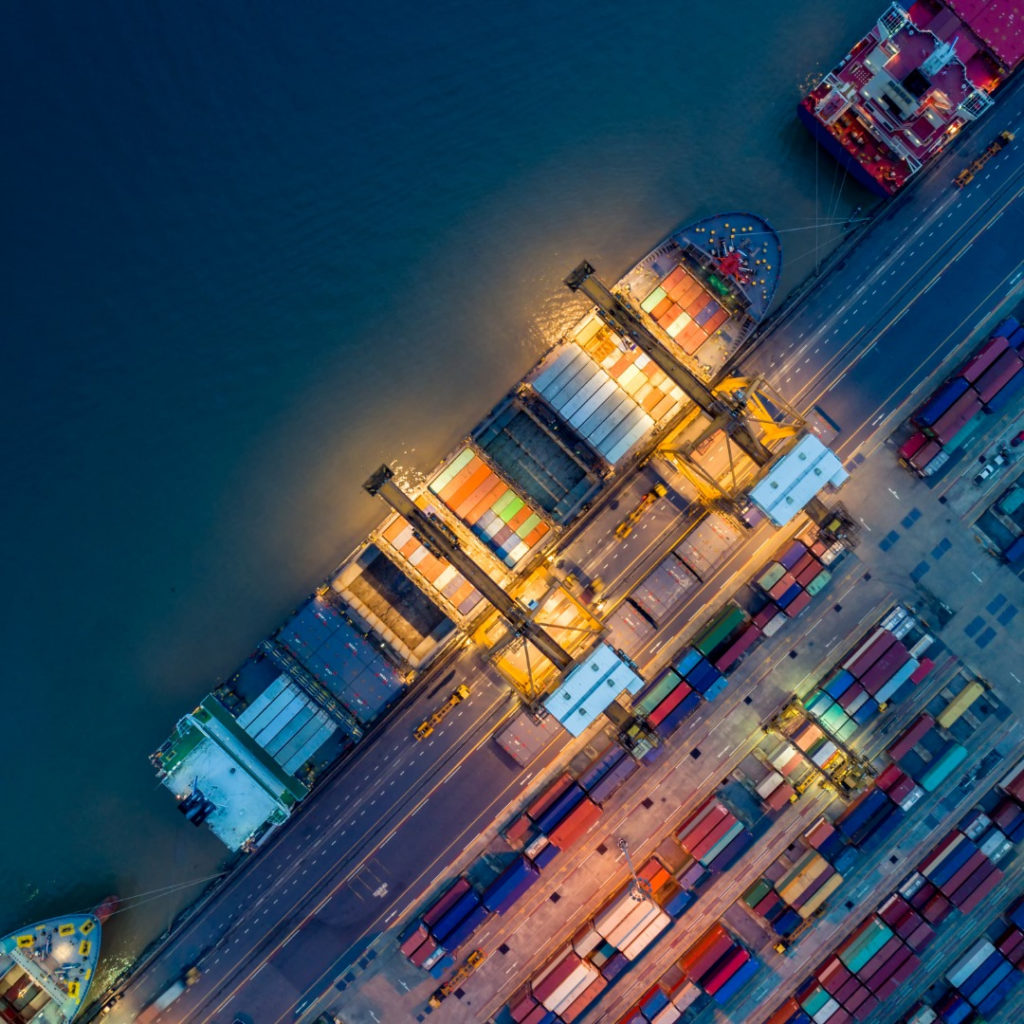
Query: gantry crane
<point x="442" y="542"/>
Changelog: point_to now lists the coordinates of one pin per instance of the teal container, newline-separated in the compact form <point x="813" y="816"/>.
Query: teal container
<point x="943" y="767"/>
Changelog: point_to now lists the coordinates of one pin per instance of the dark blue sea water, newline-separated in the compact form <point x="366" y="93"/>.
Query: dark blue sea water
<point x="253" y="250"/>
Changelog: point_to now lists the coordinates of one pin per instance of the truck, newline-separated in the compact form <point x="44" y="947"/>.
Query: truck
<point x="625" y="528"/>
<point x="169" y="995"/>
<point x="426" y="727"/>
<point x="965" y="177"/>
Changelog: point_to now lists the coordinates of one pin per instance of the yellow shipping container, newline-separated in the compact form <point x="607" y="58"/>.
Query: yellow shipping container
<point x="820" y="896"/>
<point x="959" y="704"/>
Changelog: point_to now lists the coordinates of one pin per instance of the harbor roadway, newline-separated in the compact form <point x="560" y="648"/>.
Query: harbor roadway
<point x="380" y="831"/>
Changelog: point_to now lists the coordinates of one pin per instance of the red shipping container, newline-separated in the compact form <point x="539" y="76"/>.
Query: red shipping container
<point x="670" y="703"/>
<point x="536" y="1016"/>
<point x="877" y="963"/>
<point x="922" y="670"/>
<point x="699" y="849"/>
<point x="936" y="910"/>
<point x="785" y="582"/>
<point x="818" y="833"/>
<point x="920" y="459"/>
<point x="738" y="648"/>
<point x="850" y="694"/>
<point x="833" y="974"/>
<point x="848" y="990"/>
<point x="983" y="359"/>
<point x="677" y="276"/>
<point x="894" y="910"/>
<point x="998" y="375"/>
<point x="414" y="941"/>
<point x="888" y="776"/>
<point x="522" y="1008"/>
<point x="765" y="615"/>
<point x="957" y="416"/>
<point x="703" y="963"/>
<point x="699" y="826"/>
<point x="854" y="1002"/>
<point x="798" y="604"/>
<point x="766" y="904"/>
<point x="418" y="958"/>
<point x="885" y="668"/>
<point x="974" y="862"/>
<point x="784" y="1013"/>
<point x="840" y="1017"/>
<point x="544" y="986"/>
<point x="446" y="902"/>
<point x="1006" y="813"/>
<point x="912" y="735"/>
<point x="866" y="1008"/>
<point x="901" y="789"/>
<point x="549" y="796"/>
<point x="912" y="445"/>
<point x="862" y="662"/>
<point x="968" y="905"/>
<point x="590" y="993"/>
<point x="704" y="943"/>
<point x="805" y="560"/>
<point x="923" y="895"/>
<point x="806" y="575"/>
<point x="724" y="970"/>
<point x="575" y="824"/>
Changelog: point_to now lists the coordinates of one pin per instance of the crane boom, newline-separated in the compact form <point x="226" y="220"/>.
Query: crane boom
<point x="440" y="539"/>
<point x="625" y="322"/>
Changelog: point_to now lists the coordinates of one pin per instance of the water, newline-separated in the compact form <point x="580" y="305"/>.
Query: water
<point x="252" y="253"/>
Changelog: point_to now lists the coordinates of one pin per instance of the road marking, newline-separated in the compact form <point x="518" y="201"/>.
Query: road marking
<point x="976" y="576"/>
<point x="865" y="525"/>
<point x="893" y="493"/>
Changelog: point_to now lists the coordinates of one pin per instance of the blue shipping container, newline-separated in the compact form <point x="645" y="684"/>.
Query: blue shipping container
<point x="458" y="911"/>
<point x="511" y="897"/>
<point x="679" y="903"/>
<point x="732" y="853"/>
<point x="465" y="928"/>
<point x="601" y="767"/>
<point x="689" y="659"/>
<point x="787" y="923"/>
<point x="789" y="596"/>
<point x="838" y="683"/>
<point x="866" y="711"/>
<point x="1015" y="552"/>
<point x="546" y="856"/>
<point x="678" y="715"/>
<point x="987" y="983"/>
<point x="952" y="863"/>
<point x="702" y="676"/>
<point x="1001" y="399"/>
<point x="946" y="395"/>
<point x="736" y="982"/>
<point x="882" y="831"/>
<point x="1006" y="327"/>
<point x="614" y="779"/>
<point x="518" y="871"/>
<point x="560" y="808"/>
<point x="655" y="1003"/>
<point x="998" y="995"/>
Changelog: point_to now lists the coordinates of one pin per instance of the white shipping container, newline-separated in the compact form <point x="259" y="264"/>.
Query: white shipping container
<point x="783" y="757"/>
<point x="911" y="798"/>
<point x="922" y="645"/>
<point x="911" y="885"/>
<point x="634" y="925"/>
<point x="904" y="627"/>
<point x="654" y="928"/>
<point x="536" y="846"/>
<point x="926" y="1015"/>
<point x="967" y="965"/>
<point x="587" y="942"/>
<point x="994" y="845"/>
<point x="686" y="996"/>
<point x="614" y="912"/>
<point x="573" y="986"/>
<point x="978" y="825"/>
<point x="824" y="752"/>
<point x="894" y="617"/>
<point x="669" y="1015"/>
<point x="768" y="786"/>
<point x="774" y="625"/>
<point x="825" y="1012"/>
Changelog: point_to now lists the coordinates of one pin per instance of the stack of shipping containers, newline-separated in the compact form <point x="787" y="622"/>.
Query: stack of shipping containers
<point x="684" y="310"/>
<point x="989" y="380"/>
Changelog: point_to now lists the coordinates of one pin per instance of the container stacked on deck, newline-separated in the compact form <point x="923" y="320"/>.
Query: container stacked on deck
<point x="592" y="403"/>
<point x="775" y="791"/>
<point x="489" y="507"/>
<point x="684" y="310"/>
<point x="627" y="926"/>
<point x="676" y="693"/>
<point x="633" y="370"/>
<point x="719" y="964"/>
<point x="557" y="990"/>
<point x="798" y="572"/>
<point x="714" y="836"/>
<point x="664" y="589"/>
<point x="990" y="379"/>
<point x="879" y="671"/>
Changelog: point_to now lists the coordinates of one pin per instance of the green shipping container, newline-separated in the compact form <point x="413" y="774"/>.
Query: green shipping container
<point x="771" y="576"/>
<point x="943" y="767"/>
<point x="846" y="730"/>
<point x="815" y="1001"/>
<point x="724" y="623"/>
<point x="834" y="719"/>
<point x="1012" y="501"/>
<point x="662" y="688"/>
<point x="819" y="704"/>
<point x="818" y="584"/>
<point x="866" y="945"/>
<point x="653" y="299"/>
<point x="960" y="439"/>
<point x="756" y="893"/>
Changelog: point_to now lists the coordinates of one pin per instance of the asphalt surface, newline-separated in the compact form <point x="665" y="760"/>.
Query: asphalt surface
<point x="383" y="830"/>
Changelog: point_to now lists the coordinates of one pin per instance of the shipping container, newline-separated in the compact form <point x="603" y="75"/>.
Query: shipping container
<point x="575" y="824"/>
<point x="998" y="375"/>
<point x="940" y="401"/>
<point x="942" y="767"/>
<point x="605" y="788"/>
<point x="911" y="736"/>
<point x="740" y="646"/>
<point x="452" y="917"/>
<point x="925" y="455"/>
<point x="502" y="893"/>
<point x="963" y="700"/>
<point x="719" y="629"/>
<point x="1006" y="395"/>
<point x="559" y="808"/>
<point x="983" y="358"/>
<point x="675" y="718"/>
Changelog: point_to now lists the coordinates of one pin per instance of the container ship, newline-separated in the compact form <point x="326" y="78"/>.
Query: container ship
<point x="909" y="86"/>
<point x="46" y="969"/>
<point x="244" y="758"/>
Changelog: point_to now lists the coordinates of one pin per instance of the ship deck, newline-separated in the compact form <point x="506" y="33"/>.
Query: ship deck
<point x="46" y="969"/>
